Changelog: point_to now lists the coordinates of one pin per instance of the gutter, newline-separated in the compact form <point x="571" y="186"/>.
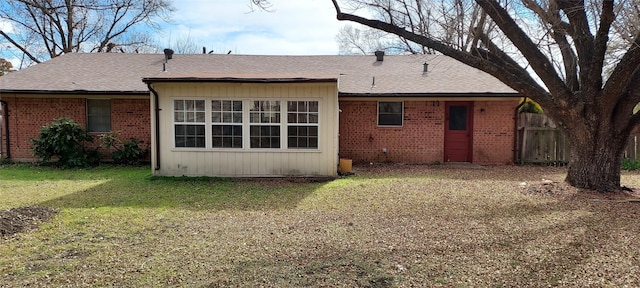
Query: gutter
<point x="515" y="133"/>
<point x="157" y="125"/>
<point x="73" y="92"/>
<point x="6" y="125"/>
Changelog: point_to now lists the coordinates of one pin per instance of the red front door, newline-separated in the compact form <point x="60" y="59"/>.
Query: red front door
<point x="458" y="131"/>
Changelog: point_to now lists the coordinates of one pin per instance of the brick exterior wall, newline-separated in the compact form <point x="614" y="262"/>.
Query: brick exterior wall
<point x="27" y="115"/>
<point x="421" y="138"/>
<point x="493" y="136"/>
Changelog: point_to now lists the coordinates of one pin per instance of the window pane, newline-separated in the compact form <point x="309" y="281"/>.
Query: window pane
<point x="200" y="117"/>
<point x="313" y="142"/>
<point x="216" y="105"/>
<point x="216" y="117"/>
<point x="265" y="136"/>
<point x="313" y="131"/>
<point x="237" y="106"/>
<point x="237" y="117"/>
<point x="237" y="131"/>
<point x="226" y="105"/>
<point x="302" y="137"/>
<point x="199" y="104"/>
<point x="302" y="118"/>
<point x="457" y="117"/>
<point x="189" y="136"/>
<point x="178" y="117"/>
<point x="98" y="115"/>
<point x="313" y="106"/>
<point x="390" y="113"/>
<point x="292" y="118"/>
<point x="226" y="117"/>
<point x="313" y="118"/>
<point x="292" y="106"/>
<point x="178" y="104"/>
<point x="390" y="119"/>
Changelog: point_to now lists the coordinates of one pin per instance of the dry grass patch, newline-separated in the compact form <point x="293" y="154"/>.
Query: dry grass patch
<point x="387" y="226"/>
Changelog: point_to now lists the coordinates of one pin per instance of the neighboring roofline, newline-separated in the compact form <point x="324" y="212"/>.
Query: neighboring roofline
<point x="111" y="92"/>
<point x="241" y="79"/>
<point x="428" y="95"/>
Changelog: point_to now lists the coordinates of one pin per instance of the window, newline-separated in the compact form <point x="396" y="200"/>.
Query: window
<point x="390" y="113"/>
<point x="216" y="123"/>
<point x="98" y="115"/>
<point x="265" y="124"/>
<point x="226" y="119"/>
<point x="189" y="119"/>
<point x="457" y="117"/>
<point x="302" y="124"/>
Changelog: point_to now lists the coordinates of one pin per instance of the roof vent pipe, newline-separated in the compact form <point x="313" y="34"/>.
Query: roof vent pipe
<point x="425" y="67"/>
<point x="168" y="54"/>
<point x="379" y="55"/>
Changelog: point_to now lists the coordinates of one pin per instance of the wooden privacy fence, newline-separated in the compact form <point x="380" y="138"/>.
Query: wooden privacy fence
<point x="540" y="141"/>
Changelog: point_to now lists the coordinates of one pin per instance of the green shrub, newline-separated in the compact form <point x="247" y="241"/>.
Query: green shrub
<point x="65" y="139"/>
<point x="125" y="153"/>
<point x="630" y="164"/>
<point x="530" y="107"/>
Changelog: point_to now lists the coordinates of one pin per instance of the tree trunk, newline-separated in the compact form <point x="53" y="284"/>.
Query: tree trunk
<point x="596" y="160"/>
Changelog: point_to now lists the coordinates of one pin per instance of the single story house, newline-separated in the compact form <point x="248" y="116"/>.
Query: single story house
<point x="261" y="116"/>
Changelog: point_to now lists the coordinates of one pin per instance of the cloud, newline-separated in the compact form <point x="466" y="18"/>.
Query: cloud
<point x="294" y="27"/>
<point x="6" y="26"/>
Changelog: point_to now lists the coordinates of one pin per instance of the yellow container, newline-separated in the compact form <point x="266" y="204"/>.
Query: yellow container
<point x="345" y="165"/>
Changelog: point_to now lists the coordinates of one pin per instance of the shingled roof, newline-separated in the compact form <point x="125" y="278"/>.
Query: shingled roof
<point x="358" y="75"/>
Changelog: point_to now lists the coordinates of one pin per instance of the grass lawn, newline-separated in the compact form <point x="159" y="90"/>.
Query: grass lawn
<point x="386" y="226"/>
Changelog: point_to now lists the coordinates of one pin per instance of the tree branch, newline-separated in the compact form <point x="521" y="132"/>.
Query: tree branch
<point x="516" y="78"/>
<point x="25" y="51"/>
<point x="539" y="63"/>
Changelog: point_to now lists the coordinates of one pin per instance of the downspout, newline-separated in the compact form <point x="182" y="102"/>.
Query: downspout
<point x="157" y="124"/>
<point x="515" y="132"/>
<point x="6" y="126"/>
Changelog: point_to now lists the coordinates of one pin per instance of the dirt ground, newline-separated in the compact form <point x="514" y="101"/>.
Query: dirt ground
<point x="21" y="219"/>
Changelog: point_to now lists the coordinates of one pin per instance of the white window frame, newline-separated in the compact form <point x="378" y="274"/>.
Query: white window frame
<point x="222" y="122"/>
<point x="188" y="123"/>
<point x="308" y="122"/>
<point x="247" y="104"/>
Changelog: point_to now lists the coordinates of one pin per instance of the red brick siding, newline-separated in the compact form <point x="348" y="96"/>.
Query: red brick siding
<point x="421" y="138"/>
<point x="493" y="136"/>
<point x="28" y="115"/>
<point x="133" y="119"/>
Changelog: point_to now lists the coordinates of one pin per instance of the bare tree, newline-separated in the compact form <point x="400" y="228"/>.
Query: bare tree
<point x="555" y="52"/>
<point x="352" y="40"/>
<point x="48" y="28"/>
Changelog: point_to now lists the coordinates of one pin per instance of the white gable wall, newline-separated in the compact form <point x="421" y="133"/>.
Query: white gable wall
<point x="246" y="161"/>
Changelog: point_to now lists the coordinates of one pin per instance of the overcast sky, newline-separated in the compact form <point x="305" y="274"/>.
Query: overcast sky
<point x="294" y="27"/>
